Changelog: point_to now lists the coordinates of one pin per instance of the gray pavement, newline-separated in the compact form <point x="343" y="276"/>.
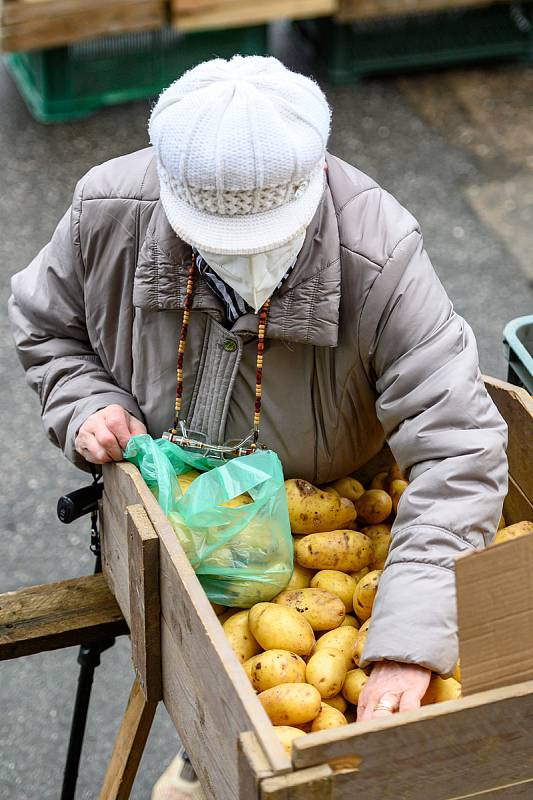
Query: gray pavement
<point x="376" y="127"/>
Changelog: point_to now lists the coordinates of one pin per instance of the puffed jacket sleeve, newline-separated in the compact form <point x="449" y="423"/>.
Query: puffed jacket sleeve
<point x="445" y="432"/>
<point x="47" y="316"/>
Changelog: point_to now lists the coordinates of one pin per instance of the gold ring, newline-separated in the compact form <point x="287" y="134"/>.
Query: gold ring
<point x="381" y="706"/>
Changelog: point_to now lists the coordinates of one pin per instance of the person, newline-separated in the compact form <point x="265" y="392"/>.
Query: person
<point x="237" y="208"/>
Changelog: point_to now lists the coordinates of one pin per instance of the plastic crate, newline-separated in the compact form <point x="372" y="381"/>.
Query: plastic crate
<point x="350" y="50"/>
<point x="518" y="346"/>
<point x="66" y="83"/>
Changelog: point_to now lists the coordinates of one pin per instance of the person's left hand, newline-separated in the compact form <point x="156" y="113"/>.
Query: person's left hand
<point x="395" y="687"/>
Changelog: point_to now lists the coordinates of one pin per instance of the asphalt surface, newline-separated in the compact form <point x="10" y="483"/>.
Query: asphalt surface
<point x="379" y="127"/>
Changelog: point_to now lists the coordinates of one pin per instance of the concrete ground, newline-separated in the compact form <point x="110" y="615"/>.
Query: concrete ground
<point x="455" y="147"/>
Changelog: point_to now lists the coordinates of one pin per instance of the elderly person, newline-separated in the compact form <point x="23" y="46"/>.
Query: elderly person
<point x="236" y="210"/>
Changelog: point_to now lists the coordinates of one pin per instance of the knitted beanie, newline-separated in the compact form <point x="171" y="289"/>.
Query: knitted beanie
<point x="240" y="149"/>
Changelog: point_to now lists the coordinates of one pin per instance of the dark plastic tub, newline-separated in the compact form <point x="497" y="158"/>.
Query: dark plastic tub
<point x="518" y="345"/>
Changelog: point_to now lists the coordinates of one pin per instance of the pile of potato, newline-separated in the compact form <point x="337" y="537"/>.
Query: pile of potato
<point x="302" y="651"/>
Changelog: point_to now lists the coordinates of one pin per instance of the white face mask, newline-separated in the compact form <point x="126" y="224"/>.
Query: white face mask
<point x="256" y="276"/>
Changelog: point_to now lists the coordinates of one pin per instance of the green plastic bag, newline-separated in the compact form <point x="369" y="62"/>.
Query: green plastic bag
<point x="242" y="555"/>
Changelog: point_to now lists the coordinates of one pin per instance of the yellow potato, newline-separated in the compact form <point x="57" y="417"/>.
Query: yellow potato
<point x="237" y="502"/>
<point x="291" y="703"/>
<point x="347" y="551"/>
<point x="359" y="574"/>
<point x="395" y="473"/>
<point x="338" y="583"/>
<point x="187" y="478"/>
<point x="360" y="643"/>
<point x="348" y="487"/>
<point x="350" y="622"/>
<point x="353" y="685"/>
<point x="380" y="549"/>
<point x="247" y="666"/>
<point x="286" y="734"/>
<point x="330" y="490"/>
<point x="374" y="506"/>
<point x="277" y="627"/>
<point x="337" y="702"/>
<point x="396" y="489"/>
<point x="380" y="481"/>
<point x="502" y="523"/>
<point x="323" y="610"/>
<point x="376" y="530"/>
<point x="300" y="578"/>
<point x="229" y="612"/>
<point x="312" y="510"/>
<point x="513" y="531"/>
<point x="342" y="639"/>
<point x="326" y="671"/>
<point x="328" y="717"/>
<point x="240" y="637"/>
<point x="457" y="672"/>
<point x="441" y="689"/>
<point x="365" y="593"/>
<point x="274" y="667"/>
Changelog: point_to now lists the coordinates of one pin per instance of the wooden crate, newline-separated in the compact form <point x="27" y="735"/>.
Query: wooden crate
<point x="188" y="15"/>
<point x="40" y="24"/>
<point x="358" y="10"/>
<point x="479" y="745"/>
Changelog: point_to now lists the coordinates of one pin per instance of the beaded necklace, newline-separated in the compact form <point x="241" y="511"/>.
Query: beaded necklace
<point x="178" y="433"/>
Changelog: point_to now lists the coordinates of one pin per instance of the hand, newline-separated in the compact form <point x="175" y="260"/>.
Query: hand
<point x="400" y="687"/>
<point x="104" y="435"/>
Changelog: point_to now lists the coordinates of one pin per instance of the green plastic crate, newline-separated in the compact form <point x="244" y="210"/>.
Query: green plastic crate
<point x="349" y="51"/>
<point x="518" y="347"/>
<point x="66" y="83"/>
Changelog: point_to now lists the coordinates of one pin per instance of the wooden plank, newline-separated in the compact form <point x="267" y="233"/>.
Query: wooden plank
<point x="436" y="753"/>
<point x="54" y="615"/>
<point x="516" y="407"/>
<point x="253" y="766"/>
<point x="129" y="746"/>
<point x="114" y="544"/>
<point x="188" y="15"/>
<point x="495" y="615"/>
<point x="205" y="689"/>
<point x="40" y="31"/>
<point x="306" y="784"/>
<point x="145" y="609"/>
<point x="358" y="10"/>
<point x="517" y="506"/>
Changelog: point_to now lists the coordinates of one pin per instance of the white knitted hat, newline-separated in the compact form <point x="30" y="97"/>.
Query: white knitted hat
<point x="240" y="150"/>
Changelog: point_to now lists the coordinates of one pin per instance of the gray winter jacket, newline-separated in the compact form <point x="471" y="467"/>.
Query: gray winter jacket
<point x="363" y="345"/>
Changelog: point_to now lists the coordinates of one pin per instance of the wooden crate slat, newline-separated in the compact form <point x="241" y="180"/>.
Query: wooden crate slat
<point x="438" y="752"/>
<point x="188" y="15"/>
<point x="517" y="507"/>
<point x="359" y="10"/>
<point x="54" y="615"/>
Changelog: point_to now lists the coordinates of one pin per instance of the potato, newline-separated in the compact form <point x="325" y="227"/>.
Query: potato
<point x="376" y="530"/>
<point x="338" y="583"/>
<point x="300" y="578"/>
<point x="328" y="717"/>
<point x="353" y="685"/>
<point x="360" y="574"/>
<point x="396" y="489"/>
<point x="323" y="610"/>
<point x="365" y="593"/>
<point x="457" y="671"/>
<point x="286" y="734"/>
<point x="274" y="667"/>
<point x="291" y="703"/>
<point x="380" y="549"/>
<point x="513" y="531"/>
<point x="247" y="665"/>
<point x="337" y="702"/>
<point x="360" y="643"/>
<point x="312" y="510"/>
<point x="240" y="637"/>
<point x="342" y="639"/>
<point x="502" y="523"/>
<point x="374" y="506"/>
<point x="229" y="612"/>
<point x="187" y="478"/>
<point x="380" y="481"/>
<point x="346" y="551"/>
<point x="237" y="502"/>
<point x="350" y="622"/>
<point x="277" y="627"/>
<point x="326" y="671"/>
<point x="395" y="473"/>
<point x="441" y="689"/>
<point x="329" y="490"/>
<point x="348" y="487"/>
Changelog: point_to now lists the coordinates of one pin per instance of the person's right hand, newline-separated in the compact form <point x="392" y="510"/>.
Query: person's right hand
<point x="104" y="435"/>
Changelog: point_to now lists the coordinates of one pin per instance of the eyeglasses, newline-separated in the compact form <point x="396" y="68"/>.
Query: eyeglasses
<point x="196" y="442"/>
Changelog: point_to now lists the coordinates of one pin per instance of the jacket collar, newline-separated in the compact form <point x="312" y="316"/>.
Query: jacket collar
<point x="304" y="310"/>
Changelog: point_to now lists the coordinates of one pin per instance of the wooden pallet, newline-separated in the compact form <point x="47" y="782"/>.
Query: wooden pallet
<point x="39" y="24"/>
<point x="479" y="745"/>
